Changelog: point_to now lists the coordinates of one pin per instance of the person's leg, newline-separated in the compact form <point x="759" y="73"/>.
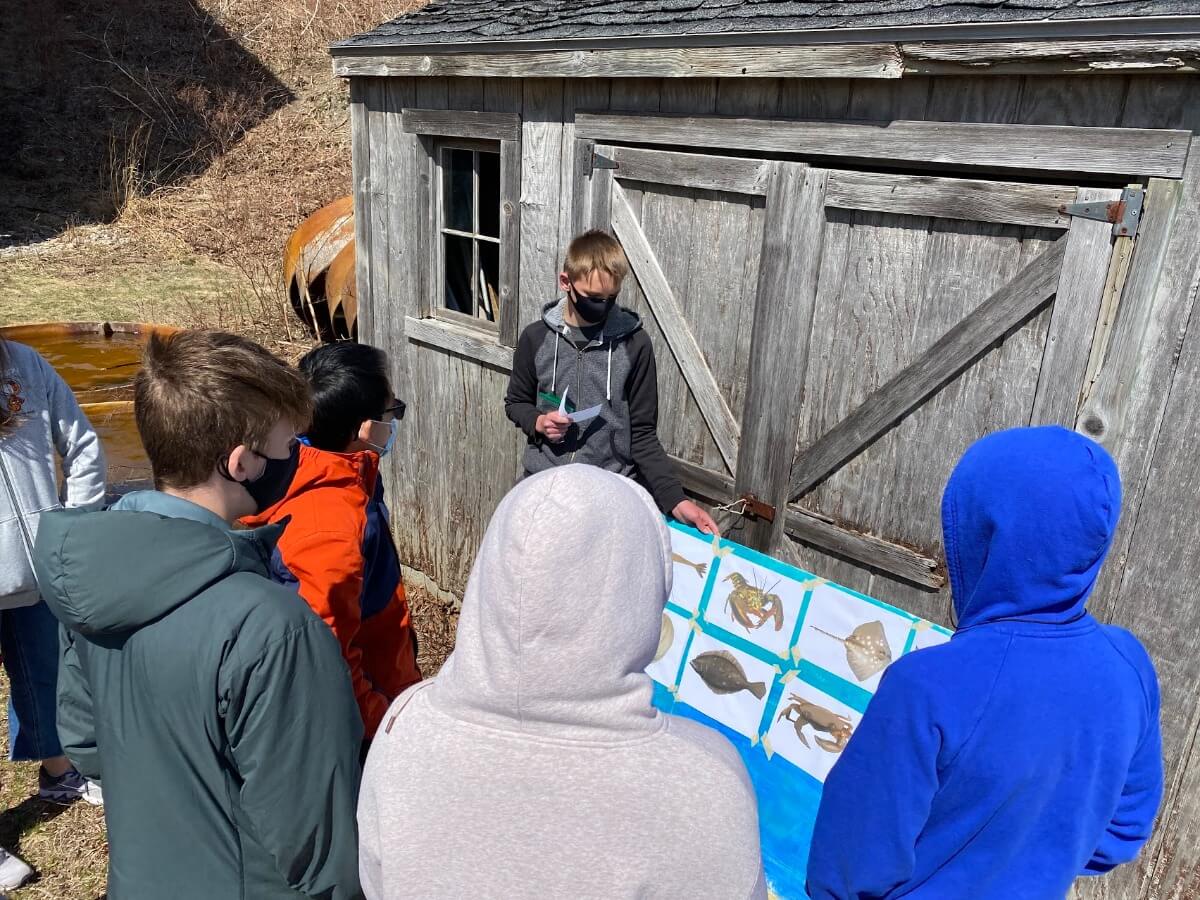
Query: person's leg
<point x="29" y="642"/>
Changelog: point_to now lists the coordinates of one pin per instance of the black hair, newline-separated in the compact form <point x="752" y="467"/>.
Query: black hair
<point x="349" y="386"/>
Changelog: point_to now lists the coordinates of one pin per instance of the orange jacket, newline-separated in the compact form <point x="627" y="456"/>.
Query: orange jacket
<point x="339" y="555"/>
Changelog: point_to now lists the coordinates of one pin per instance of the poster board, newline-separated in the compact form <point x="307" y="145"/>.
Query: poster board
<point x="781" y="662"/>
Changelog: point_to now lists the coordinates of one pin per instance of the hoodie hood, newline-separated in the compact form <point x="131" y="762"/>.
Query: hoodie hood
<point x="620" y="322"/>
<point x="562" y="612"/>
<point x="1028" y="516"/>
<point x="114" y="571"/>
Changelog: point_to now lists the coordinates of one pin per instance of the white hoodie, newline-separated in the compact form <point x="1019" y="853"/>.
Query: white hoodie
<point x="50" y="425"/>
<point x="534" y="764"/>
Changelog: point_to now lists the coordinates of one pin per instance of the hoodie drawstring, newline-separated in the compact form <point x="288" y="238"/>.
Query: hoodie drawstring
<point x="554" y="370"/>
<point x="608" y="379"/>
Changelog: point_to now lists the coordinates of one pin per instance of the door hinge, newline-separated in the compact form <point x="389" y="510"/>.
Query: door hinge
<point x="1125" y="214"/>
<point x="603" y="162"/>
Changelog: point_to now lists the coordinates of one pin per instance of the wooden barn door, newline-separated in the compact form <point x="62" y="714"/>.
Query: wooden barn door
<point x="715" y="243"/>
<point x="851" y="338"/>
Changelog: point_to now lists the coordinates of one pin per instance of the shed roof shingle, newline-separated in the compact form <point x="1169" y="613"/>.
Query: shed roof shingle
<point x="478" y="21"/>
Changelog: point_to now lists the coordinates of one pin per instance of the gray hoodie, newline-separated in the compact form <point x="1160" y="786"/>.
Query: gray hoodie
<point x="616" y="371"/>
<point x="49" y="425"/>
<point x="534" y="764"/>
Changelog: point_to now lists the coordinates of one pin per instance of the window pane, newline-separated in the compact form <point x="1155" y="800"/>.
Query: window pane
<point x="456" y="166"/>
<point x="489" y="194"/>
<point x="489" y="281"/>
<point x="458" y="274"/>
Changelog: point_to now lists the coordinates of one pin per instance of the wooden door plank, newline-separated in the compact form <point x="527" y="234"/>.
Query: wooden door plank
<point x="692" y="170"/>
<point x="865" y="549"/>
<point x="951" y="198"/>
<point x="1102" y="417"/>
<point x="791" y="261"/>
<point x="675" y="329"/>
<point x="577" y="94"/>
<point x="952" y="353"/>
<point x="872" y="552"/>
<point x="1046" y="148"/>
<point x="1123" y="409"/>
<point x="1074" y="316"/>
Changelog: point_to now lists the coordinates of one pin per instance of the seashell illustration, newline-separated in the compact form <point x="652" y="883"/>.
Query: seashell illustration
<point x="867" y="650"/>
<point x="665" y="638"/>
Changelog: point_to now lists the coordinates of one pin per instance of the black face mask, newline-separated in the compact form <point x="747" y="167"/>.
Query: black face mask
<point x="272" y="485"/>
<point x="592" y="309"/>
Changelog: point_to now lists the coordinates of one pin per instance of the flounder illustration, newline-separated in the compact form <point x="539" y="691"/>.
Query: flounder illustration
<point x="723" y="674"/>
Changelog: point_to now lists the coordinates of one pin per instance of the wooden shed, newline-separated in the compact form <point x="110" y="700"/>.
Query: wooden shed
<point x="863" y="234"/>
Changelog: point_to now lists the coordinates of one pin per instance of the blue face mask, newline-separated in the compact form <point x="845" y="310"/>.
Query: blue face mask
<point x="388" y="444"/>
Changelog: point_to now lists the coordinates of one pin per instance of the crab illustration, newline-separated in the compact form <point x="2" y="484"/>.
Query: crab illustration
<point x="821" y="719"/>
<point x="750" y="606"/>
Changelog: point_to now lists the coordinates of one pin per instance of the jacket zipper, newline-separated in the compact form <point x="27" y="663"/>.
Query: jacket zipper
<point x="578" y="368"/>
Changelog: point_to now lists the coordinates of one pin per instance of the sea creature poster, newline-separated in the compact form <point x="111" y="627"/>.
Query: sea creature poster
<point x="781" y="662"/>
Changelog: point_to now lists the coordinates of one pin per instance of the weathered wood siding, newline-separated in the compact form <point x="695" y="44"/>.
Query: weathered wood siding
<point x="889" y="285"/>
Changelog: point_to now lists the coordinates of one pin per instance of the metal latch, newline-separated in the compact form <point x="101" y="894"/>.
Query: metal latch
<point x="602" y="162"/>
<point x="752" y="506"/>
<point x="1125" y="214"/>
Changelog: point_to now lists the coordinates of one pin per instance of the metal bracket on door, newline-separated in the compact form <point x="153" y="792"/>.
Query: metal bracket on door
<point x="757" y="508"/>
<point x="1125" y="214"/>
<point x="603" y="162"/>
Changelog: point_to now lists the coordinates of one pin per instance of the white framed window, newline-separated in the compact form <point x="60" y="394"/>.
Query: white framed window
<point x="468" y="230"/>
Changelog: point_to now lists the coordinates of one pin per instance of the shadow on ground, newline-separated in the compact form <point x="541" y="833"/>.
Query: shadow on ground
<point x="16" y="822"/>
<point x="103" y="100"/>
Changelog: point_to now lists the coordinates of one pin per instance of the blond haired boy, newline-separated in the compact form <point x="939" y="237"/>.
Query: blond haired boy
<point x="584" y="384"/>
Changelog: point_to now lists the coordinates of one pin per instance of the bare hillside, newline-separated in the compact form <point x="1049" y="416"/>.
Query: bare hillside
<point x="158" y="152"/>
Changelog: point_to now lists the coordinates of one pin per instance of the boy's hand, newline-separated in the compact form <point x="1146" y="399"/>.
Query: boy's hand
<point x="690" y="513"/>
<point x="552" y="426"/>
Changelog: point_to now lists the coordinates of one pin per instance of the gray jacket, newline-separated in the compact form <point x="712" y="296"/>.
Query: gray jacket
<point x="617" y="371"/>
<point x="49" y="425"/>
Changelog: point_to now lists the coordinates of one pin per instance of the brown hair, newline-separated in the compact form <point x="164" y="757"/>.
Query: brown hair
<point x="596" y="251"/>
<point x="199" y="394"/>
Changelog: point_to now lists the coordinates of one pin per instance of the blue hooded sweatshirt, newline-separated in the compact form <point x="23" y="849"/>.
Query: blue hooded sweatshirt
<point x="1026" y="751"/>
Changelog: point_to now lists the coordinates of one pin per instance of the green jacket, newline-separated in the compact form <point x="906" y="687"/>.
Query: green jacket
<point x="214" y="705"/>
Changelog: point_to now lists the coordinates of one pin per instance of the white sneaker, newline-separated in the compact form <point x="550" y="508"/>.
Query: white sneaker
<point x="14" y="871"/>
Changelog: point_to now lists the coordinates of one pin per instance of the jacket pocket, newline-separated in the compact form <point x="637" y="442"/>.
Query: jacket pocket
<point x="16" y="575"/>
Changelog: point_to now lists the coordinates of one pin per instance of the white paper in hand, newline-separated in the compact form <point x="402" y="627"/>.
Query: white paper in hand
<point x="585" y="414"/>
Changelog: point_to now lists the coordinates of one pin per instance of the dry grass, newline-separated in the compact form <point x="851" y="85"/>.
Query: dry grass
<point x="198" y="130"/>
<point x="436" y="624"/>
<point x="65" y="845"/>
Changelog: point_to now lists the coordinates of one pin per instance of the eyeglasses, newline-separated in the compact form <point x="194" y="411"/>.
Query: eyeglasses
<point x="396" y="410"/>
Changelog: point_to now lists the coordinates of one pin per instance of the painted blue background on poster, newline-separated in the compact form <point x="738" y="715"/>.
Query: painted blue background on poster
<point x="783" y="663"/>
